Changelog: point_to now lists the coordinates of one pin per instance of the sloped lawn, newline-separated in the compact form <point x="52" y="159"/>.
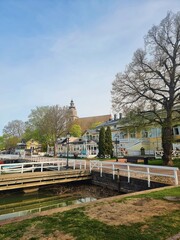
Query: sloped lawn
<point x="141" y="217"/>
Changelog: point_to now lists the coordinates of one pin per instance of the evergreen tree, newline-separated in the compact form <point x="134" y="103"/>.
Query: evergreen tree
<point x="108" y="142"/>
<point x="102" y="142"/>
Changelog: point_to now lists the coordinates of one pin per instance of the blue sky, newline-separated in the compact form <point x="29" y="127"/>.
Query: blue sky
<point x="52" y="51"/>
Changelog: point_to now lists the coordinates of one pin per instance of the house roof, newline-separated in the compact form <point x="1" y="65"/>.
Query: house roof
<point x="86" y="122"/>
<point x="108" y="123"/>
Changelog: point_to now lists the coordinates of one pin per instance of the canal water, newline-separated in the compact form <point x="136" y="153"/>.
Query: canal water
<point x="14" y="204"/>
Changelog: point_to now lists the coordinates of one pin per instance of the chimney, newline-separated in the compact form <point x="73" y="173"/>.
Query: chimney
<point x="115" y="116"/>
<point x="120" y="115"/>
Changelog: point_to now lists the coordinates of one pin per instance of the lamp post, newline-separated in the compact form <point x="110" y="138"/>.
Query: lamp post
<point x="67" y="139"/>
<point x="116" y="149"/>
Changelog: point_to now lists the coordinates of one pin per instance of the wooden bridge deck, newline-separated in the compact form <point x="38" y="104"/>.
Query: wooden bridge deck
<point x="36" y="179"/>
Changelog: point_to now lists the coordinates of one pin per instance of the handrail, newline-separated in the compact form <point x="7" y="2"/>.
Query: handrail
<point x="134" y="168"/>
<point x="160" y="153"/>
<point x="31" y="166"/>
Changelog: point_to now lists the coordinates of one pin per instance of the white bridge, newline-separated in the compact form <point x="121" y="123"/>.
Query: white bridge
<point x="29" y="176"/>
<point x="38" y="165"/>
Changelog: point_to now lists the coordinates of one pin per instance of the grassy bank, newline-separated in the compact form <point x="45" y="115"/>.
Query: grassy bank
<point x="156" y="162"/>
<point x="159" y="162"/>
<point x="80" y="224"/>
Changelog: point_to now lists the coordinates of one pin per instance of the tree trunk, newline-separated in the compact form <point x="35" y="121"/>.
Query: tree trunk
<point x="55" y="149"/>
<point x="167" y="142"/>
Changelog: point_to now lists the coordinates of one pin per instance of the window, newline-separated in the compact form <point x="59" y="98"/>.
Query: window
<point x="132" y="134"/>
<point x="145" y="134"/>
<point x="122" y="135"/>
<point x="176" y="131"/>
<point x="155" y="132"/>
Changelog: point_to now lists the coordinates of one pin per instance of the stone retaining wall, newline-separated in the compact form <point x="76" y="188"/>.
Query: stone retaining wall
<point x="121" y="183"/>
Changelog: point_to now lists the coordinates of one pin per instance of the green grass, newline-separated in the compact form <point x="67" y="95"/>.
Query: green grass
<point x="159" y="162"/>
<point x="174" y="192"/>
<point x="76" y="223"/>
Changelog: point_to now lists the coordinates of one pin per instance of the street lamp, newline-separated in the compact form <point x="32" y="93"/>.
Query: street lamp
<point x="67" y="140"/>
<point x="116" y="149"/>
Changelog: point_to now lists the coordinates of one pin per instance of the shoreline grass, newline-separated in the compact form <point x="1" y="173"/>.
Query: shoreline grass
<point x="76" y="223"/>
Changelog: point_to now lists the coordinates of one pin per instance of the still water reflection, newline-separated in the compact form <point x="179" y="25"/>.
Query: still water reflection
<point x="20" y="204"/>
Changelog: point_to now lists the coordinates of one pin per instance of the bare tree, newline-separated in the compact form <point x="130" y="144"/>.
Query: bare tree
<point x="57" y="121"/>
<point x="14" y="128"/>
<point x="51" y="122"/>
<point x="151" y="82"/>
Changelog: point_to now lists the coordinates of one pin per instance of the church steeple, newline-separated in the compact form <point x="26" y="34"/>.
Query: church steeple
<point x="72" y="111"/>
<point x="71" y="104"/>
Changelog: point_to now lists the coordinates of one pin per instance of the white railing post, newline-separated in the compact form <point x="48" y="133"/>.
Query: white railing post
<point x="101" y="170"/>
<point x="22" y="168"/>
<point x="90" y="166"/>
<point x="148" y="175"/>
<point x="94" y="164"/>
<point x="42" y="167"/>
<point x="58" y="164"/>
<point x="118" y="177"/>
<point x="74" y="166"/>
<point x="129" y="175"/>
<point x="175" y="177"/>
<point x="85" y="164"/>
<point x="113" y="171"/>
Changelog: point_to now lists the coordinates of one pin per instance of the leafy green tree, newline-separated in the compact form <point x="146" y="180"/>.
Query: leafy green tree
<point x="31" y="133"/>
<point x="102" y="146"/>
<point x="2" y="143"/>
<point x="11" y="142"/>
<point x="51" y="122"/>
<point x="36" y="128"/>
<point x="36" y="118"/>
<point x="108" y="142"/>
<point x="76" y="130"/>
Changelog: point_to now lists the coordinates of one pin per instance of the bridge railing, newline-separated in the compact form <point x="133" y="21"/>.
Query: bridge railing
<point x="175" y="154"/>
<point x="42" y="166"/>
<point x="137" y="169"/>
<point x="41" y="159"/>
<point x="9" y="156"/>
